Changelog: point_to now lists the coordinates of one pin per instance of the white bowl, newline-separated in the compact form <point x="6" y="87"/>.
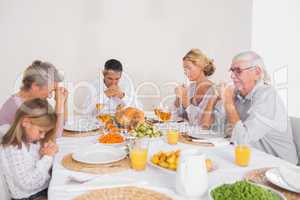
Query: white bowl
<point x="263" y="186"/>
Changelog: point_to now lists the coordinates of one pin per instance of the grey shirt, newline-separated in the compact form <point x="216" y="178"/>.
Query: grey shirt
<point x="263" y="122"/>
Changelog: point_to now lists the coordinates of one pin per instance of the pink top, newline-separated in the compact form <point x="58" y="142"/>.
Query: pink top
<point x="9" y="109"/>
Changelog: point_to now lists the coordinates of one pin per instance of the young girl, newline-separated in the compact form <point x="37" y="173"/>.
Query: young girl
<point x="27" y="152"/>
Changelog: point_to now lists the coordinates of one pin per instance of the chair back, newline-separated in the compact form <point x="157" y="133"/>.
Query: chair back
<point x="295" y="123"/>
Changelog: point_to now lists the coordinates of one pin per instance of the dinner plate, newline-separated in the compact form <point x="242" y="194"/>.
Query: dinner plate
<point x="82" y="125"/>
<point x="198" y="133"/>
<point x="112" y="144"/>
<point x="180" y="126"/>
<point x="98" y="154"/>
<point x="273" y="175"/>
<point x="263" y="186"/>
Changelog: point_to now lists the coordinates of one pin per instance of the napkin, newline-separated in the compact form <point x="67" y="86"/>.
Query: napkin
<point x="214" y="141"/>
<point x="81" y="177"/>
<point x="291" y="175"/>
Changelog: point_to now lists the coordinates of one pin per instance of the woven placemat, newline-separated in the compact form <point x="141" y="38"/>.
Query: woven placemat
<point x="74" y="165"/>
<point x="81" y="134"/>
<point x="183" y="138"/>
<point x="123" y="193"/>
<point x="258" y="176"/>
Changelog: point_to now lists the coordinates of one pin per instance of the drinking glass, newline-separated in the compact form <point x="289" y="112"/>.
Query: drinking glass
<point x="242" y="155"/>
<point x="138" y="151"/>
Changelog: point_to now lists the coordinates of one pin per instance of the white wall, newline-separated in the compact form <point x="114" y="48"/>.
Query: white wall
<point x="276" y="31"/>
<point x="149" y="36"/>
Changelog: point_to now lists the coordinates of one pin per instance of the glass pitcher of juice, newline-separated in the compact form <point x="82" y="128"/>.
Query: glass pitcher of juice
<point x="242" y="155"/>
<point x="139" y="154"/>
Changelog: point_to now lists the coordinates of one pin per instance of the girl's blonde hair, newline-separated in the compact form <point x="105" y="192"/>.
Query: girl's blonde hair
<point x="40" y="73"/>
<point x="39" y="112"/>
<point x="198" y="58"/>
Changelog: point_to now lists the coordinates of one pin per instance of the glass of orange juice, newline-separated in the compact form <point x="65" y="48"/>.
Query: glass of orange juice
<point x="172" y="136"/>
<point x="242" y="155"/>
<point x="138" y="152"/>
<point x="157" y="112"/>
<point x="99" y="106"/>
<point x="104" y="118"/>
<point x="165" y="115"/>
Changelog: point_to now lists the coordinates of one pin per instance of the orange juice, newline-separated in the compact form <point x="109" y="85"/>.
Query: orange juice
<point x="165" y="116"/>
<point x="156" y="112"/>
<point x="99" y="106"/>
<point x="242" y="155"/>
<point x="138" y="158"/>
<point x="172" y="137"/>
<point x="104" y="118"/>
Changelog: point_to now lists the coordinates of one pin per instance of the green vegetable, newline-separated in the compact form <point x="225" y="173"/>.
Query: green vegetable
<point x="242" y="190"/>
<point x="145" y="130"/>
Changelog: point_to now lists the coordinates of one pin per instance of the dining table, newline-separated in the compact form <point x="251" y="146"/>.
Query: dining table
<point x="225" y="170"/>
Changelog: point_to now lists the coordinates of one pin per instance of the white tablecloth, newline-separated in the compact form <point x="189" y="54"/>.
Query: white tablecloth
<point x="62" y="189"/>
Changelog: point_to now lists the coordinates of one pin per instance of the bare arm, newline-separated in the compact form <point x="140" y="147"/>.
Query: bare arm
<point x="208" y="117"/>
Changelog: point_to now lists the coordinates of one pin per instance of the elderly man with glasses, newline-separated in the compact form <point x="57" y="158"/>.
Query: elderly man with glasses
<point x="251" y="111"/>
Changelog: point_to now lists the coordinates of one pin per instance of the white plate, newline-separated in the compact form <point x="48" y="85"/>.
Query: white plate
<point x="198" y="133"/>
<point x="112" y="145"/>
<point x="172" y="171"/>
<point x="82" y="125"/>
<point x="263" y="186"/>
<point x="180" y="126"/>
<point x="274" y="177"/>
<point x="98" y="154"/>
<point x="161" y="168"/>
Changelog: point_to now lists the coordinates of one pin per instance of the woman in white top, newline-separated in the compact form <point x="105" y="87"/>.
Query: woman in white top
<point x="191" y="100"/>
<point x="27" y="151"/>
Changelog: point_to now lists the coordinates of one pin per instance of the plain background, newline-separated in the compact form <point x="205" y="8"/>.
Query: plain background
<point x="150" y="37"/>
<point x="275" y="35"/>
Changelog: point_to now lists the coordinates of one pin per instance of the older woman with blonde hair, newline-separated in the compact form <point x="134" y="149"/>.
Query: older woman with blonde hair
<point x="191" y="100"/>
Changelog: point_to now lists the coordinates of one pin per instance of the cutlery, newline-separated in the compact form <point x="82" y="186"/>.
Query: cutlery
<point x="82" y="179"/>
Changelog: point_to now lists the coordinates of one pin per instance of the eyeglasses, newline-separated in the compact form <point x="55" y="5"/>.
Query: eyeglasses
<point x="238" y="71"/>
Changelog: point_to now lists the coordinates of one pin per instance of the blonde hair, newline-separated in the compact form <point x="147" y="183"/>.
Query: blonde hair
<point x="40" y="73"/>
<point x="40" y="113"/>
<point x="254" y="60"/>
<point x="198" y="58"/>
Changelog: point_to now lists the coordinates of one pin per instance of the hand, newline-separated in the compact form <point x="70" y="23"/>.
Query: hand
<point x="197" y="99"/>
<point x="227" y="93"/>
<point x="177" y="102"/>
<point x="114" y="91"/>
<point x="49" y="149"/>
<point x="61" y="94"/>
<point x="181" y="91"/>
